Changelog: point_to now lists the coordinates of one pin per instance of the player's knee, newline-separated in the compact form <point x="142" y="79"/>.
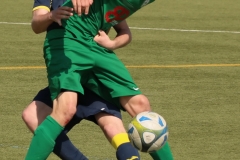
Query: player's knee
<point x="70" y="113"/>
<point x="67" y="114"/>
<point x="143" y="104"/>
<point x="26" y="115"/>
<point x="36" y="112"/>
<point x="71" y="110"/>
<point x="135" y="104"/>
<point x="63" y="113"/>
<point x="29" y="112"/>
<point x="29" y="119"/>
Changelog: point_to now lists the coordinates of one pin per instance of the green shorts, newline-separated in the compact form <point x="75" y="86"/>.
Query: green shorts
<point x="96" y="86"/>
<point x="72" y="62"/>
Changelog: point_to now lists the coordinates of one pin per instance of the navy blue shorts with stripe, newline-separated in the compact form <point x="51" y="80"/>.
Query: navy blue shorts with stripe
<point x="89" y="104"/>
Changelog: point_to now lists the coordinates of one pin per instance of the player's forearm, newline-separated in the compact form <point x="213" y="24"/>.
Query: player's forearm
<point x="122" y="39"/>
<point x="40" y="23"/>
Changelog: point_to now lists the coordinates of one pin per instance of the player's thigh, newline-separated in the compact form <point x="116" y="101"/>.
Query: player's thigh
<point x="67" y="61"/>
<point x="35" y="113"/>
<point x="115" y="78"/>
<point x="110" y="125"/>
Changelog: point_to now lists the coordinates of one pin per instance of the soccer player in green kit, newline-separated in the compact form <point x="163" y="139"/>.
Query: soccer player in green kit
<point x="76" y="36"/>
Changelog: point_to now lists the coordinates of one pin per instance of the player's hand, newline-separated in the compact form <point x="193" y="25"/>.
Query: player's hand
<point x="61" y="13"/>
<point x="81" y="6"/>
<point x="103" y="40"/>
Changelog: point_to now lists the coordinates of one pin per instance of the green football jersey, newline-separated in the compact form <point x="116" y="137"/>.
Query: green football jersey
<point x="103" y="14"/>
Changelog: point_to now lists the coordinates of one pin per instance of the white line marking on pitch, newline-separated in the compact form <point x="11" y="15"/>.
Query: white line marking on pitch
<point x="157" y="29"/>
<point x="15" y="23"/>
<point x="185" y="30"/>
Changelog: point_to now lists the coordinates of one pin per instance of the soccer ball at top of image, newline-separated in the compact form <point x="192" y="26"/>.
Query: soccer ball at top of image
<point x="148" y="131"/>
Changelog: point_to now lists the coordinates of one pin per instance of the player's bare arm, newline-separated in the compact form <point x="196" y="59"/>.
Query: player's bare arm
<point x="43" y="17"/>
<point x="122" y="38"/>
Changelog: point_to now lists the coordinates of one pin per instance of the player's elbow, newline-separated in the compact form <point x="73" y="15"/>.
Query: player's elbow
<point x="36" y="28"/>
<point x="36" y="31"/>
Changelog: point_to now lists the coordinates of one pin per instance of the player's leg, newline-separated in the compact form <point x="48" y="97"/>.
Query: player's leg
<point x="37" y="111"/>
<point x="137" y="104"/>
<point x="119" y="82"/>
<point x="108" y="117"/>
<point x="164" y="153"/>
<point x="43" y="142"/>
<point x="61" y="53"/>
<point x="116" y="134"/>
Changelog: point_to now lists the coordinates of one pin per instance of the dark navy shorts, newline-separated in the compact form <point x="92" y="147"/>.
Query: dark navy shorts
<point x="89" y="104"/>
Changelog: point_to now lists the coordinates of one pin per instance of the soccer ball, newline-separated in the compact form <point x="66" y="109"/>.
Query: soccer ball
<point x="148" y="131"/>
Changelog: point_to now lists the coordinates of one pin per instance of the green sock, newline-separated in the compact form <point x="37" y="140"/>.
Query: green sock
<point x="43" y="140"/>
<point x="163" y="154"/>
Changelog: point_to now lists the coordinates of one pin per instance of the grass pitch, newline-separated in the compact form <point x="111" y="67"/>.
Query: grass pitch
<point x="184" y="57"/>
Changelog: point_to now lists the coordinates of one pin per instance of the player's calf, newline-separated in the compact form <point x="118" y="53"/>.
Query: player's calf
<point x="115" y="132"/>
